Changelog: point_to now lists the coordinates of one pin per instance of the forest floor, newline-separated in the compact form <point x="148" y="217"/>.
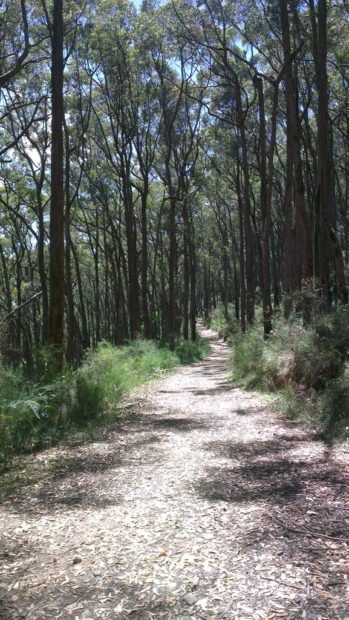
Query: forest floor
<point x="202" y="503"/>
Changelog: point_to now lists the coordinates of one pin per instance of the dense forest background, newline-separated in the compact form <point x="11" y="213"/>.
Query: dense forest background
<point x="174" y="188"/>
<point x="162" y="160"/>
<point x="204" y="149"/>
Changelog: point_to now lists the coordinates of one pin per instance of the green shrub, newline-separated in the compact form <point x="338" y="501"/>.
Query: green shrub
<point x="334" y="407"/>
<point x="225" y="326"/>
<point x="109" y="372"/>
<point x="98" y="382"/>
<point x="42" y="413"/>
<point x="12" y="382"/>
<point x="248" y="357"/>
<point x="308" y="365"/>
<point x="190" y="350"/>
<point x="88" y="398"/>
<point x="38" y="416"/>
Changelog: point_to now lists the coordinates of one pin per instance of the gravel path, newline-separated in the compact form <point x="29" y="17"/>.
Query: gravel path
<point x="202" y="504"/>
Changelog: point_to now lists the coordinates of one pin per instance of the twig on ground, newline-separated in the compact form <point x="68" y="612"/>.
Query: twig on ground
<point x="281" y="583"/>
<point x="305" y="530"/>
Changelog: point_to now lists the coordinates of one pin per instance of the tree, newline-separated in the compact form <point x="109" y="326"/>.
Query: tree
<point x="198" y="159"/>
<point x="56" y="304"/>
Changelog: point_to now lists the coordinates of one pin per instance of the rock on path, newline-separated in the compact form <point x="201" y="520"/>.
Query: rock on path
<point x="202" y="504"/>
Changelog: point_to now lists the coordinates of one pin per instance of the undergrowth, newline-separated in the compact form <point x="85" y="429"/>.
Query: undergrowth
<point x="225" y="325"/>
<point x="34" y="415"/>
<point x="306" y="367"/>
<point x="188" y="351"/>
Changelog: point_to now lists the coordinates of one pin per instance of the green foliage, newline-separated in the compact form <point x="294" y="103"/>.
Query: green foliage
<point x="45" y="364"/>
<point x="109" y="372"/>
<point x="308" y="366"/>
<point x="190" y="350"/>
<point x="42" y="413"/>
<point x="225" y="326"/>
<point x="11" y="382"/>
<point x="334" y="407"/>
<point x="37" y="417"/>
<point x="247" y="361"/>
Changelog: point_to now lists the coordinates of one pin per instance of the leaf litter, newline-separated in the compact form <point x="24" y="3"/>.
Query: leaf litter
<point x="187" y="509"/>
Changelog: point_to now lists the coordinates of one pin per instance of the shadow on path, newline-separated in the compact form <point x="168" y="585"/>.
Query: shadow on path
<point x="199" y="490"/>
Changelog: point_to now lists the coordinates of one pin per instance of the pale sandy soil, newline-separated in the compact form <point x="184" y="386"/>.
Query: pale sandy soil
<point x="202" y="504"/>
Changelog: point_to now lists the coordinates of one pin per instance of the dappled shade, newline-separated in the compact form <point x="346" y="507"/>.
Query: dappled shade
<point x="199" y="501"/>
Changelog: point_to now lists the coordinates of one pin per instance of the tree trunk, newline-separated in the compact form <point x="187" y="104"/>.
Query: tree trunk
<point x="265" y="202"/>
<point x="241" y="254"/>
<point x="327" y="247"/>
<point x="144" y="275"/>
<point x="56" y="304"/>
<point x="294" y="152"/>
<point x="248" y="233"/>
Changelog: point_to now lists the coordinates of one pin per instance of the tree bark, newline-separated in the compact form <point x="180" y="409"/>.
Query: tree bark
<point x="56" y="304"/>
<point x="294" y="152"/>
<point x="265" y="202"/>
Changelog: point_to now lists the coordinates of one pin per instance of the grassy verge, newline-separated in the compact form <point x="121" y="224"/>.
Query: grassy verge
<point x="306" y="367"/>
<point x="36" y="415"/>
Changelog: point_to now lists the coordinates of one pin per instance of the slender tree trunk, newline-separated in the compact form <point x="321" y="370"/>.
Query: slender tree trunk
<point x="97" y="283"/>
<point x="42" y="272"/>
<point x="242" y="254"/>
<point x="133" y="286"/>
<point x="236" y="290"/>
<point x="265" y="203"/>
<point x="144" y="275"/>
<point x="248" y="232"/>
<point x="56" y="307"/>
<point x="186" y="282"/>
<point x="192" y="276"/>
<point x="85" y="334"/>
<point x="172" y="263"/>
<point x="206" y="293"/>
<point x="71" y="322"/>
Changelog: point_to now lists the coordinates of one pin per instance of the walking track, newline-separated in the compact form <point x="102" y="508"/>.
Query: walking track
<point x="201" y="504"/>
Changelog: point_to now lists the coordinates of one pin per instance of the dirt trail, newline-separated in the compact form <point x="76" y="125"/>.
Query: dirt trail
<point x="203" y="504"/>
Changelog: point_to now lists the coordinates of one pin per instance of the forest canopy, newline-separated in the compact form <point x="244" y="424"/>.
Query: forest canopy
<point x="161" y="159"/>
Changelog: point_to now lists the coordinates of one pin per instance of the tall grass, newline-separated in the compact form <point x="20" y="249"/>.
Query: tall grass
<point x="110" y="372"/>
<point x="34" y="415"/>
